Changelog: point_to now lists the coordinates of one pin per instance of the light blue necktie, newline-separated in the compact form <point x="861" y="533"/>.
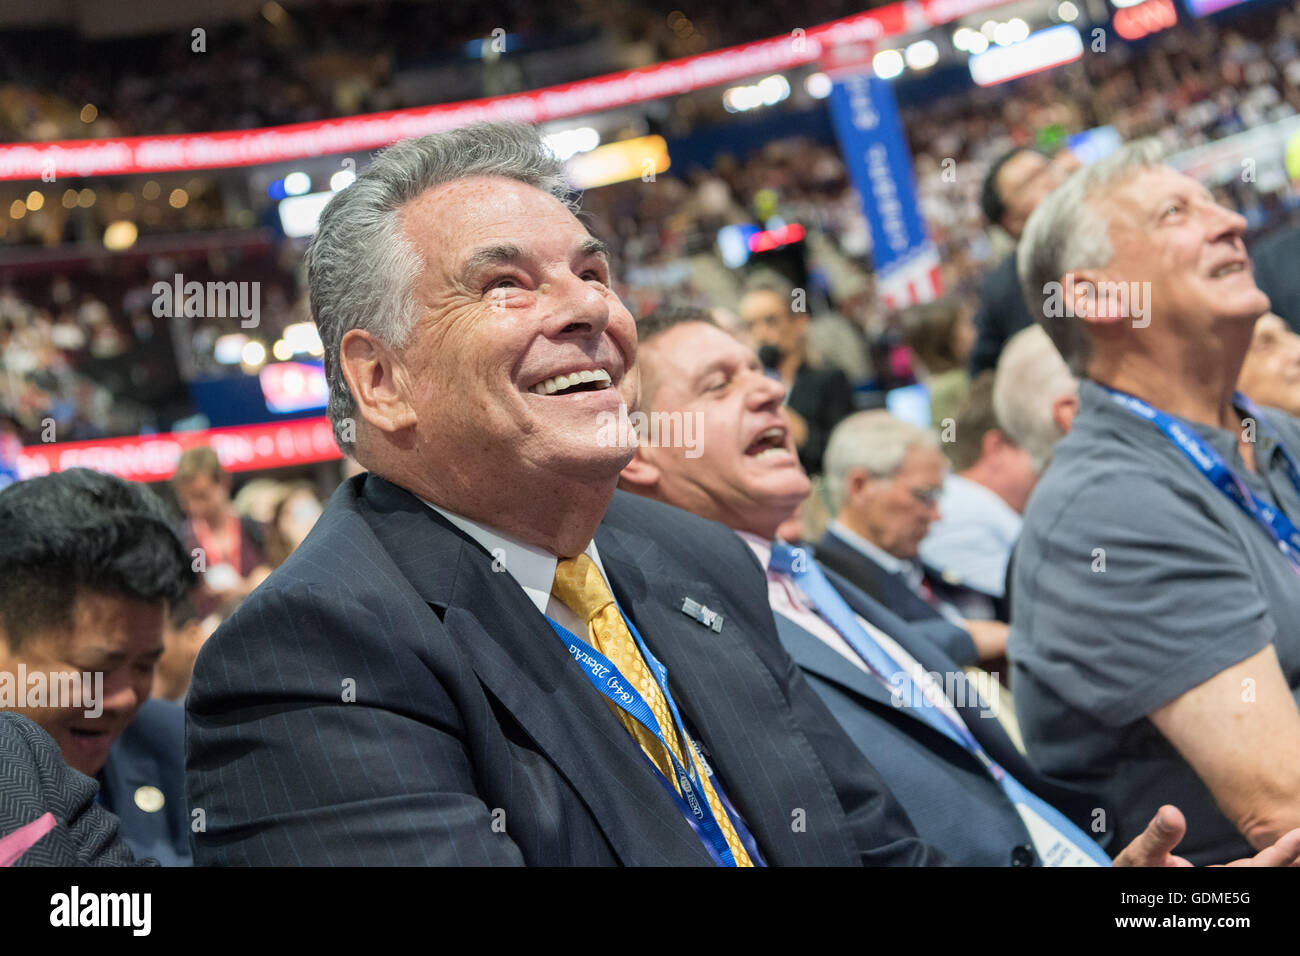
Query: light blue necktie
<point x="799" y="565"/>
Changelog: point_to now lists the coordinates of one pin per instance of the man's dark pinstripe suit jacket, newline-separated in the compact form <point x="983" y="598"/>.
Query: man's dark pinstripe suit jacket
<point x="474" y="738"/>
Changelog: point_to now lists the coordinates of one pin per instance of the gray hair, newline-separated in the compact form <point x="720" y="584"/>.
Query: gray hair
<point x="1031" y="375"/>
<point x="874" y="440"/>
<point x="362" y="270"/>
<point x="1068" y="232"/>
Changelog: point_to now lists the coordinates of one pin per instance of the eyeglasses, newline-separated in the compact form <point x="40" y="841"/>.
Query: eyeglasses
<point x="926" y="496"/>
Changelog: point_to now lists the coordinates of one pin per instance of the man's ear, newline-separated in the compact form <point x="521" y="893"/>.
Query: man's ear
<point x="857" y="483"/>
<point x="376" y="377"/>
<point x="1064" y="408"/>
<point x="639" y="475"/>
<point x="992" y="442"/>
<point x="1082" y="287"/>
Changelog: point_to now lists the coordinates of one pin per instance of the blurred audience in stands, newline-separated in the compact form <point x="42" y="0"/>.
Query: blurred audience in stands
<point x="292" y="518"/>
<point x="229" y="548"/>
<point x="1193" y="84"/>
<point x="819" y="396"/>
<point x="940" y="335"/>
<point x="983" y="498"/>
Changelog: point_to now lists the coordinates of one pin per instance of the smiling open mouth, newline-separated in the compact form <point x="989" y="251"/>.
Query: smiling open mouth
<point x="593" y="381"/>
<point x="772" y="440"/>
<point x="1227" y="269"/>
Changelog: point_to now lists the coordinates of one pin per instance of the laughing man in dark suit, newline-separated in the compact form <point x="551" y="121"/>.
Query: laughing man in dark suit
<point x="460" y="663"/>
<point x="742" y="471"/>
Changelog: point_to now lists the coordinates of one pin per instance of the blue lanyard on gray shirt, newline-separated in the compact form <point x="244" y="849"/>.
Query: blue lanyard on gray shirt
<point x="1211" y="464"/>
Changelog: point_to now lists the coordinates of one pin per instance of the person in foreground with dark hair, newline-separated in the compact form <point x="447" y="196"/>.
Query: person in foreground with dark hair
<point x="89" y="564"/>
<point x="904" y="702"/>
<point x="482" y="653"/>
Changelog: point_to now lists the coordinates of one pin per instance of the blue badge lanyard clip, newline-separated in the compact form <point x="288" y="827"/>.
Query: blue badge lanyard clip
<point x="692" y="801"/>
<point x="1211" y="464"/>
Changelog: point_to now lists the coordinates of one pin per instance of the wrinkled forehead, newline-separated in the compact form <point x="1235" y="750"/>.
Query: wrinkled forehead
<point x="448" y="222"/>
<point x="681" y="355"/>
<point x="1139" y="190"/>
<point x="1017" y="170"/>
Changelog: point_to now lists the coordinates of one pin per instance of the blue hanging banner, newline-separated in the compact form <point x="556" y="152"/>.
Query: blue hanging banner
<point x="871" y="137"/>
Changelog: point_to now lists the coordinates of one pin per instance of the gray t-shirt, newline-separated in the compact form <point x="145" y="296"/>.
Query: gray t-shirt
<point x="1136" y="580"/>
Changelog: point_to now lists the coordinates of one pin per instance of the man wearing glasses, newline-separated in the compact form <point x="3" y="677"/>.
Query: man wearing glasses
<point x="884" y="477"/>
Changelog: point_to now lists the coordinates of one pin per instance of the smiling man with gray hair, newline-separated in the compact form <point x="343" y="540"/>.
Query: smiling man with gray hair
<point x="482" y="654"/>
<point x="1154" y="645"/>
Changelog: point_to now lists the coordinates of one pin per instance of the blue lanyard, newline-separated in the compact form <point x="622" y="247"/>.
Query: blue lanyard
<point x="692" y="801"/>
<point x="830" y="604"/>
<point x="1211" y="464"/>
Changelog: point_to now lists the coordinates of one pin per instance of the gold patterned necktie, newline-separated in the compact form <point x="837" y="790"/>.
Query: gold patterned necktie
<point x="581" y="588"/>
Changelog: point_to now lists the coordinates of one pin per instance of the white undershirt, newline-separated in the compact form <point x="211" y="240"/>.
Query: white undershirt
<point x="532" y="568"/>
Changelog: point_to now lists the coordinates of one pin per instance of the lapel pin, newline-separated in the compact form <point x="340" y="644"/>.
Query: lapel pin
<point x="149" y="799"/>
<point x="710" y="619"/>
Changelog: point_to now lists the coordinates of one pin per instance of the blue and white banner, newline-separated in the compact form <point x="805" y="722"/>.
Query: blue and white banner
<point x="875" y="150"/>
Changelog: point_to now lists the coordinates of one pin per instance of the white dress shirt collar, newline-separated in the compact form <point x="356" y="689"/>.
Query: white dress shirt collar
<point x="876" y="553"/>
<point x="533" y="568"/>
<point x="761" y="547"/>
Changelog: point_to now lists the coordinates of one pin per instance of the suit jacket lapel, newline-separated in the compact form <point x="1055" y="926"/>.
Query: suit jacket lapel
<point x="810" y="653"/>
<point x="521" y="660"/>
<point x="748" y="765"/>
<point x="886" y="586"/>
<point x="974" y="711"/>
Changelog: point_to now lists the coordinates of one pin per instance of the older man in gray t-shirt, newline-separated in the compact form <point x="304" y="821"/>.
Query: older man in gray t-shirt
<point x="1155" y="641"/>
